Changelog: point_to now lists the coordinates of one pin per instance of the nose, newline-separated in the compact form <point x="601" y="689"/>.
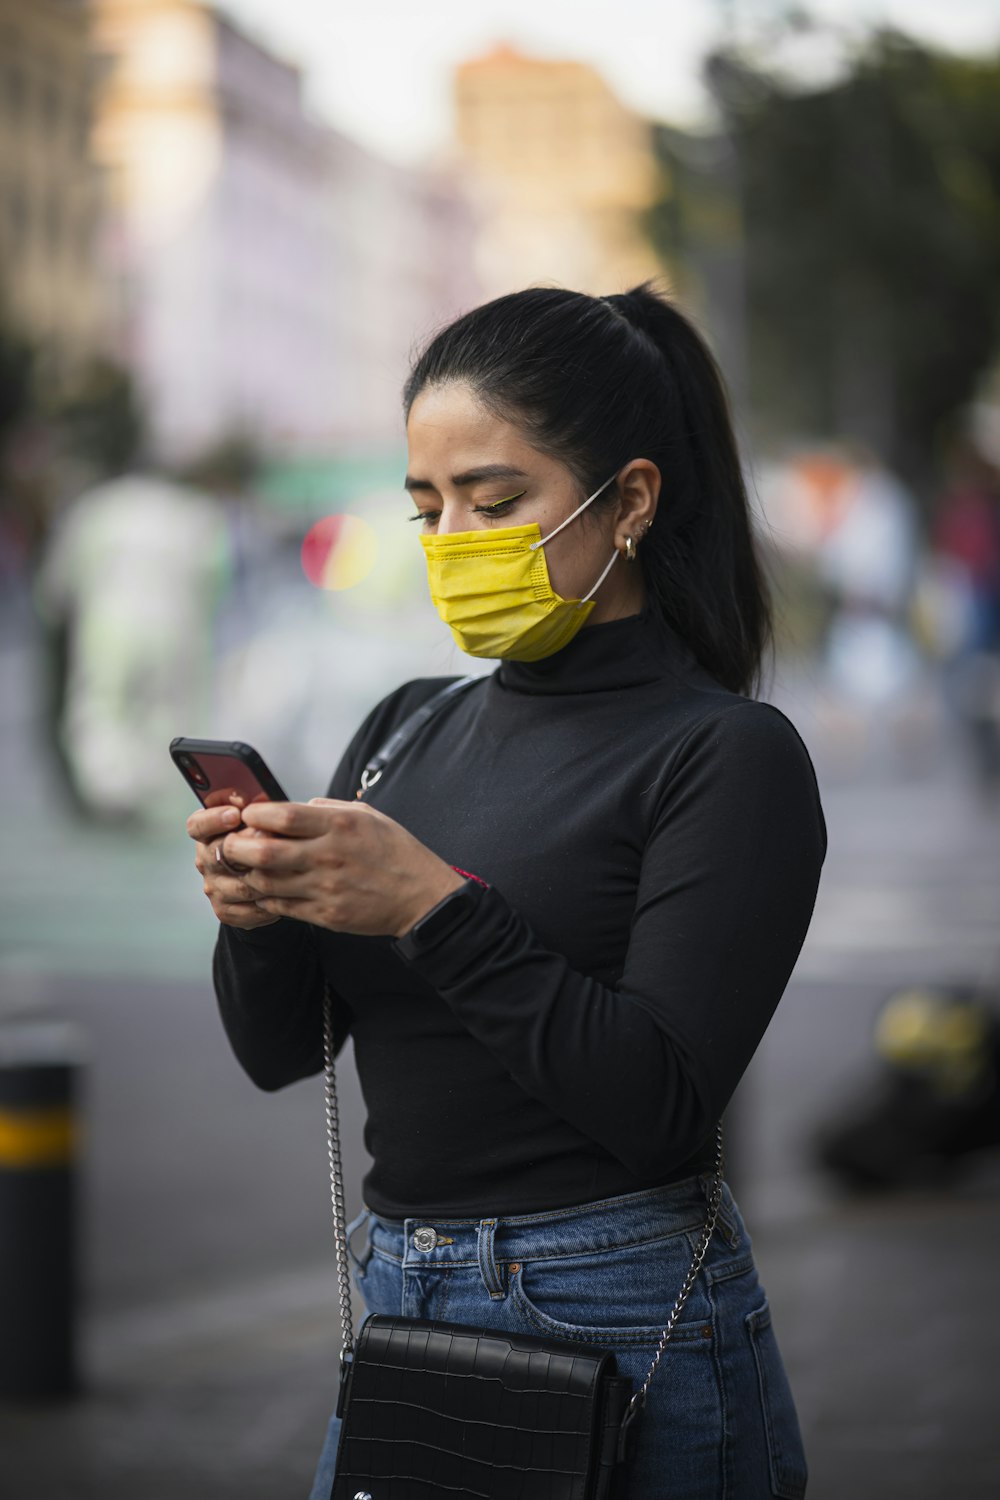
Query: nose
<point x="455" y="517"/>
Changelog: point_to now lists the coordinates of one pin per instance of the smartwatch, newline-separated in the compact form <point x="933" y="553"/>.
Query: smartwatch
<point x="441" y="920"/>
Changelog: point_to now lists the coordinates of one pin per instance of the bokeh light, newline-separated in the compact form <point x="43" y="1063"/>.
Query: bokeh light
<point x="339" y="552"/>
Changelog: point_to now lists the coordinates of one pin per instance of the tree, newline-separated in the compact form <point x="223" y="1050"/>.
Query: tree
<point x="870" y="248"/>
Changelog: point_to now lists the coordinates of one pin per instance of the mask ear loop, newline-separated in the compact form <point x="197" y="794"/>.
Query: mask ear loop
<point x="587" y="597"/>
<point x="533" y="546"/>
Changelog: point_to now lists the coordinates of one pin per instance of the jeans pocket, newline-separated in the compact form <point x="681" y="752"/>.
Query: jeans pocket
<point x="781" y="1424"/>
<point x="613" y="1297"/>
<point x="621" y="1319"/>
<point x="359" y="1261"/>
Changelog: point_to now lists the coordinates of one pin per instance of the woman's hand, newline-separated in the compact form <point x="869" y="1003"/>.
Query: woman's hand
<point x="339" y="865"/>
<point x="233" y="901"/>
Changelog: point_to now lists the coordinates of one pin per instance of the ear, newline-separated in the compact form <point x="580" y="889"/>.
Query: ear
<point x="639" y="493"/>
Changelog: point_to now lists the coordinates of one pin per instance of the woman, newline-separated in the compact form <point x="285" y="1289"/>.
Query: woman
<point x="544" y="1062"/>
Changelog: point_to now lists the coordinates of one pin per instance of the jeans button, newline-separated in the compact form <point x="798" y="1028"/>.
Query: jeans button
<point x="425" y="1239"/>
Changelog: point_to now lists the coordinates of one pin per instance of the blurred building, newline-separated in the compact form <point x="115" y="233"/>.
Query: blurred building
<point x="214" y="232"/>
<point x="268" y="275"/>
<point x="402" y="248"/>
<point x="49" y="289"/>
<point x="566" y="174"/>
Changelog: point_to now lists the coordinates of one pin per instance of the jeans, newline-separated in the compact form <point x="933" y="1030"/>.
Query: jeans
<point x="719" y="1421"/>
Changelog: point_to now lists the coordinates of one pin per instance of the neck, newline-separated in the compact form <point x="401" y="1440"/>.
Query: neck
<point x="624" y="652"/>
<point x="622" y="593"/>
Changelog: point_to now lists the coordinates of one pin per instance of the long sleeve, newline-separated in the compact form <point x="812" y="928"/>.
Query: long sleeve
<point x="727" y="886"/>
<point x="269" y="985"/>
<point x="269" y="981"/>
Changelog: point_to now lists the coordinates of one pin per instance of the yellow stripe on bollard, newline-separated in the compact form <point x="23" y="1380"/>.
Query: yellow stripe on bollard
<point x="37" y="1137"/>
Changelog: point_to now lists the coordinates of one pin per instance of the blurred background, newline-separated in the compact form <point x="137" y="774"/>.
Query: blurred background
<point x="222" y="234"/>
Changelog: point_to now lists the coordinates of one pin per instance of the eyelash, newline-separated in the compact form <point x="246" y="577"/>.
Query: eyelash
<point x="496" y="508"/>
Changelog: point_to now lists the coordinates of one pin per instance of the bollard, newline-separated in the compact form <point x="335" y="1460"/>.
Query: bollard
<point x="39" y="1138"/>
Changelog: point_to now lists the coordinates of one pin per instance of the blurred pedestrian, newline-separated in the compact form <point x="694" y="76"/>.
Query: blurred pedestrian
<point x="128" y="587"/>
<point x="867" y="560"/>
<point x="967" y="543"/>
<point x="546" y="1044"/>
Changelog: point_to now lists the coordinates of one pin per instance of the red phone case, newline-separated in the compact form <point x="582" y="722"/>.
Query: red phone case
<point x="224" y="773"/>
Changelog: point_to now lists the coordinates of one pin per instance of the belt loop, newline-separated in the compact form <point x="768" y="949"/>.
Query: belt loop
<point x="726" y="1225"/>
<point x="488" y="1268"/>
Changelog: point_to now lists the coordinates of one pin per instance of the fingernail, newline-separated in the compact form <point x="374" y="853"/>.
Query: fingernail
<point x="231" y="815"/>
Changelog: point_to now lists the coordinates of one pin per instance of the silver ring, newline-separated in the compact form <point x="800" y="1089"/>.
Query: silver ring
<point x="220" y="859"/>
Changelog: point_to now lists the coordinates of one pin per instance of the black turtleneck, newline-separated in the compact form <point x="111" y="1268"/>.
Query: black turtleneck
<point x="653" y="844"/>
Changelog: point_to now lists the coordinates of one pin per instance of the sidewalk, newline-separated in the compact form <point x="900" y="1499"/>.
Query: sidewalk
<point x="887" y="1312"/>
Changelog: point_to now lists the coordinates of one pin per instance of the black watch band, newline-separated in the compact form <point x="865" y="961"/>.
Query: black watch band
<point x="441" y="920"/>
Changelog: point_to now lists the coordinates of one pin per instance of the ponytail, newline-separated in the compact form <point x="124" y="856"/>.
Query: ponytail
<point x="599" y="381"/>
<point x="701" y="562"/>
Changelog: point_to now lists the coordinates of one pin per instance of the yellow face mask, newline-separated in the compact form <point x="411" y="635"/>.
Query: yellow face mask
<point x="493" y="589"/>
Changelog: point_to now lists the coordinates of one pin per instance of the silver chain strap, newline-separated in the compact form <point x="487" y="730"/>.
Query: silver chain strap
<point x="336" y="1182"/>
<point x="714" y="1204"/>
<point x="340" y="1220"/>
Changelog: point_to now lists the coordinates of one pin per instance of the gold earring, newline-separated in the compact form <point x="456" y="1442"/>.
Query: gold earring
<point x="629" y="549"/>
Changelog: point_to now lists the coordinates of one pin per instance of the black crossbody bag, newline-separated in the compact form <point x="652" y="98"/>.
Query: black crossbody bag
<point x="435" y="1409"/>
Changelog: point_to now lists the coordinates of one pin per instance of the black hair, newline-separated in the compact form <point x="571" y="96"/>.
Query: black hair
<point x="597" y="381"/>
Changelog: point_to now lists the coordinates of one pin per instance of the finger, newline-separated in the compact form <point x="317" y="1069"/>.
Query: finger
<point x="298" y="820"/>
<point x="222" y="863"/>
<point x="245" y="915"/>
<point x="266" y="883"/>
<point x="259" y="852"/>
<point x="227" y="889"/>
<point x="208" y="857"/>
<point x="284" y="906"/>
<point x="210" y="822"/>
<point x="231" y="888"/>
<point x="352" y="810"/>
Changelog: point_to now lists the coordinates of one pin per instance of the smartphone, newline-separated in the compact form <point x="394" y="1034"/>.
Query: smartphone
<point x="224" y="773"/>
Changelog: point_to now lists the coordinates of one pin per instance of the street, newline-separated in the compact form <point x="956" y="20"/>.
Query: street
<point x="210" y="1334"/>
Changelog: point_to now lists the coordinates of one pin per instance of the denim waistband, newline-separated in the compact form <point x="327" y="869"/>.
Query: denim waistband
<point x="629" y="1219"/>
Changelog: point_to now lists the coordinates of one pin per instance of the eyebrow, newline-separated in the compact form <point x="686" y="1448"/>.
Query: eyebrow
<point x="469" y="477"/>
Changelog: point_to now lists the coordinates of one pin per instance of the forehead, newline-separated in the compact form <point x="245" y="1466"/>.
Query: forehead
<point x="449" y="425"/>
